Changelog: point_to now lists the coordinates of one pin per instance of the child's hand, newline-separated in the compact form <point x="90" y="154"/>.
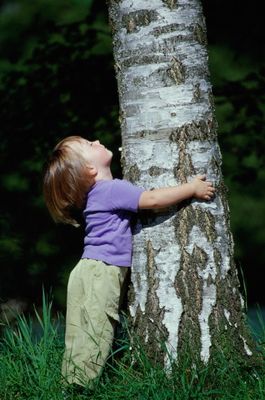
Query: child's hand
<point x="203" y="190"/>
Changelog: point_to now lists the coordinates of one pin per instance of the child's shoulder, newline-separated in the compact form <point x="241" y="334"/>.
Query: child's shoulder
<point x="110" y="183"/>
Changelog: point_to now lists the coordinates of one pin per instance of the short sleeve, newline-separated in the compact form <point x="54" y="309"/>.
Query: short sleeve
<point x="125" y="195"/>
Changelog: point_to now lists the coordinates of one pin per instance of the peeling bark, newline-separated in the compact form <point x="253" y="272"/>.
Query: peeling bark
<point x="185" y="289"/>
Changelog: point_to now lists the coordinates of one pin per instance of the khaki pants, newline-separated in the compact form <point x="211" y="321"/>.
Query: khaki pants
<point x="93" y="301"/>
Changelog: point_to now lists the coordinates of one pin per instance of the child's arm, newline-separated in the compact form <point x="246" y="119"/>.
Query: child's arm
<point x="165" y="197"/>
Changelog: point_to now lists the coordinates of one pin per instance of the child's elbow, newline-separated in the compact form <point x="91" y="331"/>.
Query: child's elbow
<point x="148" y="200"/>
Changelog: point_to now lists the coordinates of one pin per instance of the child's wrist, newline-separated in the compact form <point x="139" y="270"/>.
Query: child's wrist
<point x="192" y="188"/>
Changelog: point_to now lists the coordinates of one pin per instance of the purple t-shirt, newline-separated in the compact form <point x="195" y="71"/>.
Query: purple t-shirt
<point x="107" y="214"/>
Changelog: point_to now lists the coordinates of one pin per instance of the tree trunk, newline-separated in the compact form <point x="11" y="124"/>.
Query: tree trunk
<point x="185" y="289"/>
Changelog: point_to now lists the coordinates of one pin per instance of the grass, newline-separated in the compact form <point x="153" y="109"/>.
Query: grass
<point x="30" y="366"/>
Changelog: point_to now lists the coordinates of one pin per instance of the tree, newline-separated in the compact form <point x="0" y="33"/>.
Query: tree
<point x="185" y="289"/>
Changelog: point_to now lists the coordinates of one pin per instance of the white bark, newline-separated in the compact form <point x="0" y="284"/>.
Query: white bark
<point x="169" y="135"/>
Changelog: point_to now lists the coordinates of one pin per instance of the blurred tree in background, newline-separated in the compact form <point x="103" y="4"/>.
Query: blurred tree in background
<point x="57" y="79"/>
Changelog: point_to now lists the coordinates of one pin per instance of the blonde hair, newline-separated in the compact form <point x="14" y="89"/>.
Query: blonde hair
<point x="67" y="179"/>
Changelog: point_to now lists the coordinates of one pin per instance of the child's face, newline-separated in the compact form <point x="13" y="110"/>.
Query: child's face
<point x="96" y="154"/>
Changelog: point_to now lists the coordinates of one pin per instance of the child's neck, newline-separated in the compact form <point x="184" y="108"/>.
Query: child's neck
<point x="104" y="174"/>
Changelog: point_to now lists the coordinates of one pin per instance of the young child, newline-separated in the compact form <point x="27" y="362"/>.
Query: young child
<point x="78" y="176"/>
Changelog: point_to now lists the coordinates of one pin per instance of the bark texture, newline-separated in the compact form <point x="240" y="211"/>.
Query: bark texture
<point x="185" y="289"/>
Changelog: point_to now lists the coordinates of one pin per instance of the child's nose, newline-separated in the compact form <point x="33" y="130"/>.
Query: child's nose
<point x="96" y="142"/>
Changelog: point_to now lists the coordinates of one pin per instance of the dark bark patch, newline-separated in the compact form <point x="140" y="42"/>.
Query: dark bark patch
<point x="171" y="4"/>
<point x="149" y="325"/>
<point x="225" y="333"/>
<point x="136" y="19"/>
<point x="176" y="71"/>
<point x="228" y="290"/>
<point x="183" y="223"/>
<point x="196" y="92"/>
<point x="200" y="35"/>
<point x="200" y="257"/>
<point x="227" y="337"/>
<point x="133" y="175"/>
<point x="218" y="261"/>
<point x="114" y="14"/>
<point x="131" y="294"/>
<point x="155" y="171"/>
<point x="164" y="29"/>
<point x="184" y="168"/>
<point x="215" y="165"/>
<point x="141" y="60"/>
<point x="196" y="130"/>
<point x="211" y="99"/>
<point x="188" y="286"/>
<point x="206" y="222"/>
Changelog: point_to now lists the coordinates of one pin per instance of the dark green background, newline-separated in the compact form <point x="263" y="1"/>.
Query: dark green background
<point x="57" y="79"/>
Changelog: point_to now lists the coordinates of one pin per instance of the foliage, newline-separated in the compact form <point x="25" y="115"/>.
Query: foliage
<point x="236" y="36"/>
<point x="241" y="114"/>
<point x="66" y="87"/>
<point x="22" y="22"/>
<point x="30" y="365"/>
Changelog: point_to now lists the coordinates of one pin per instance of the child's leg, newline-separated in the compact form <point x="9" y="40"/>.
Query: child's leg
<point x="93" y="299"/>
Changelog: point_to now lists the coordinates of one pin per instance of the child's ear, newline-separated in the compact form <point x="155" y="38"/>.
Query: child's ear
<point x="92" y="171"/>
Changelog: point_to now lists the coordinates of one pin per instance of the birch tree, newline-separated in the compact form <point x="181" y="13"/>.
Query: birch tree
<point x="184" y="284"/>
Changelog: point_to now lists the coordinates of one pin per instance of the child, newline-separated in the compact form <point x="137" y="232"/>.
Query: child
<point x="78" y="176"/>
